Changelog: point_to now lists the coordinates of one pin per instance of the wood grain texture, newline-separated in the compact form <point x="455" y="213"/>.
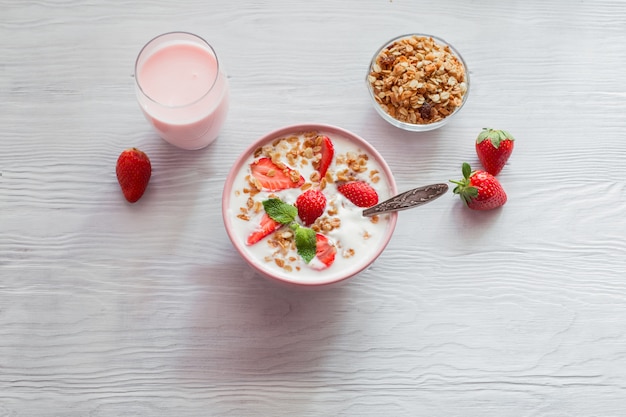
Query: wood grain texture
<point x="108" y="309"/>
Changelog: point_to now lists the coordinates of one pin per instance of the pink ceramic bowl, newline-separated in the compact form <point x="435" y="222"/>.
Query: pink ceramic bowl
<point x="349" y="242"/>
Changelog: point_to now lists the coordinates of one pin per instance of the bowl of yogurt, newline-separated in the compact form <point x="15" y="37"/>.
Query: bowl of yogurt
<point x="293" y="205"/>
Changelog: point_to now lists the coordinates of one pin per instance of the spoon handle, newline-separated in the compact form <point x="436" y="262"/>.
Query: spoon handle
<point x="408" y="199"/>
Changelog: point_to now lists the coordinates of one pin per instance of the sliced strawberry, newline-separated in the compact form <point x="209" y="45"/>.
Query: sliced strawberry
<point x="360" y="193"/>
<point x="265" y="227"/>
<point x="325" y="250"/>
<point x="273" y="177"/>
<point x="328" y="152"/>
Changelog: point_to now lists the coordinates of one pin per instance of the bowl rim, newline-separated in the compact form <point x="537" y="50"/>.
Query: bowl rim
<point x="411" y="126"/>
<point x="237" y="242"/>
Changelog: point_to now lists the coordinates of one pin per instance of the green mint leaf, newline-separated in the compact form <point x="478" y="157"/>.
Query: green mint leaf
<point x="306" y="243"/>
<point x="279" y="211"/>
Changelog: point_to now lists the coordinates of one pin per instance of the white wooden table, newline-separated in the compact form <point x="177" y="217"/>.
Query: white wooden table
<point x="112" y="309"/>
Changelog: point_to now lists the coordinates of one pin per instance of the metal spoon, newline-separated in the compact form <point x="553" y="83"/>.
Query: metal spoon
<point x="408" y="199"/>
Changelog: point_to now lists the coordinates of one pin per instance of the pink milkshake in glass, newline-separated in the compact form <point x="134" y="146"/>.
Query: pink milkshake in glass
<point x="181" y="89"/>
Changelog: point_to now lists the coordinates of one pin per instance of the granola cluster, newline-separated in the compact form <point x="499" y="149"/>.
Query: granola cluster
<point x="416" y="80"/>
<point x="300" y="150"/>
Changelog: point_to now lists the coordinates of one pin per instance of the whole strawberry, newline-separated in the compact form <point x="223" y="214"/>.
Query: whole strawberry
<point x="311" y="205"/>
<point x="494" y="147"/>
<point x="360" y="193"/>
<point x="479" y="190"/>
<point x="133" y="171"/>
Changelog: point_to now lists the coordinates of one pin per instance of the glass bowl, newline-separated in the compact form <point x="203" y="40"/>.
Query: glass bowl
<point x="417" y="82"/>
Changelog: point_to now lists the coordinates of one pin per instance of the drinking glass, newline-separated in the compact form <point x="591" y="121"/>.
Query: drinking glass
<point x="182" y="89"/>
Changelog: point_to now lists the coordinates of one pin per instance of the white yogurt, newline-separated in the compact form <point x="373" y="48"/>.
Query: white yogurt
<point x="358" y="239"/>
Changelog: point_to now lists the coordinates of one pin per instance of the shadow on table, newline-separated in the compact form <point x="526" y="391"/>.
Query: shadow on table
<point x="253" y="328"/>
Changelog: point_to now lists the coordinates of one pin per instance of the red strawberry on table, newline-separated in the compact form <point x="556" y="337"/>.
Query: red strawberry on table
<point x="359" y="193"/>
<point x="479" y="190"/>
<point x="310" y="204"/>
<point x="327" y="153"/>
<point x="494" y="147"/>
<point x="273" y="177"/>
<point x="133" y="170"/>
<point x="325" y="251"/>
<point x="265" y="227"/>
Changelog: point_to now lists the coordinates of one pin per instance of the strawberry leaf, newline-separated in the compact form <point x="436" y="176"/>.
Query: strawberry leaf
<point x="279" y="211"/>
<point x="467" y="170"/>
<point x="306" y="242"/>
<point x="493" y="135"/>
<point x="463" y="188"/>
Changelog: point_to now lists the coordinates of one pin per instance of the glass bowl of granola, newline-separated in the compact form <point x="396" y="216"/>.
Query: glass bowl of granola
<point x="293" y="205"/>
<point x="417" y="82"/>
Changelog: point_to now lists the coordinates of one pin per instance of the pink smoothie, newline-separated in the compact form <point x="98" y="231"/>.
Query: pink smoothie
<point x="183" y="93"/>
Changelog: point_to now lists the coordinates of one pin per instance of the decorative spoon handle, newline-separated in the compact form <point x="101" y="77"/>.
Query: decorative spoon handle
<point x="408" y="199"/>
